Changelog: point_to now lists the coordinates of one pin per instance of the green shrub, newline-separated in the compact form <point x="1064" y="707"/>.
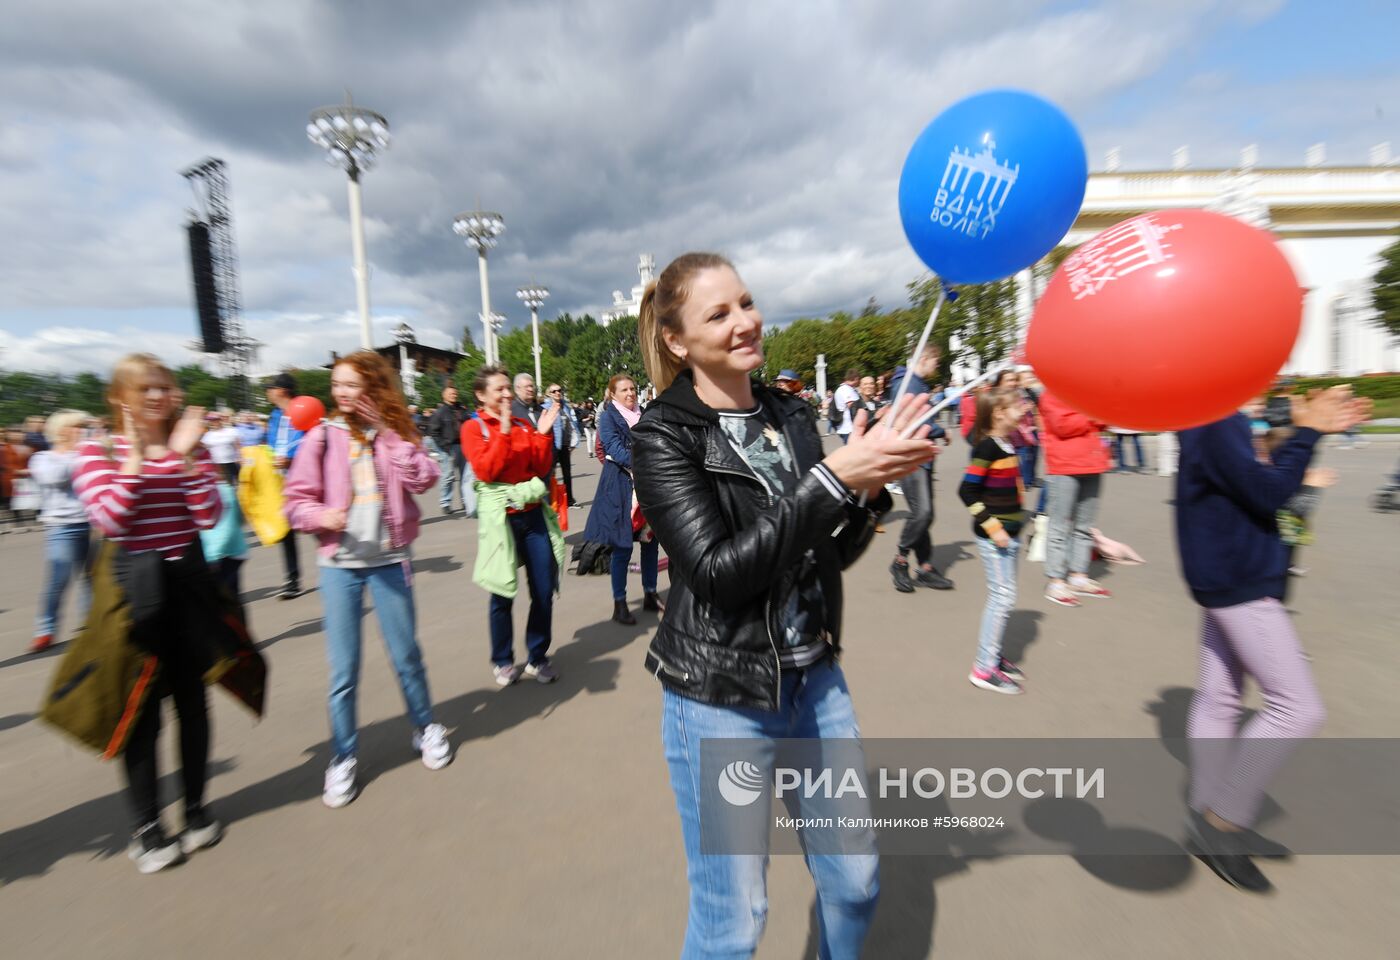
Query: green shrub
<point x="1384" y="386"/>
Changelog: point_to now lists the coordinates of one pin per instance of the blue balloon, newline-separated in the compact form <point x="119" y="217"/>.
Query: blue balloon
<point x="991" y="185"/>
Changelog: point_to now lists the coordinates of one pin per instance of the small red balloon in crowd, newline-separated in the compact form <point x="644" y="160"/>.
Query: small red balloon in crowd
<point x="305" y="412"/>
<point x="1167" y="321"/>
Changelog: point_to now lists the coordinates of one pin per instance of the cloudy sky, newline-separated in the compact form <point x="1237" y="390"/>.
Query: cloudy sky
<point x="600" y="129"/>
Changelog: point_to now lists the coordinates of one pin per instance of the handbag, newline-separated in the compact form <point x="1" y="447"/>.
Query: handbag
<point x="1035" y="553"/>
<point x="559" y="500"/>
<point x="641" y="530"/>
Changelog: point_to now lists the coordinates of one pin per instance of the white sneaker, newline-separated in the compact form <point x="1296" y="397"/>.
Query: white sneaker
<point x="542" y="672"/>
<point x="431" y="743"/>
<point x="340" y="786"/>
<point x="151" y="850"/>
<point x="201" y="830"/>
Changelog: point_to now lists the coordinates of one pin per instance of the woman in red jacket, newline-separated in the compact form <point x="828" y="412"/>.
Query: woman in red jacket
<point x="503" y="449"/>
<point x="1075" y="461"/>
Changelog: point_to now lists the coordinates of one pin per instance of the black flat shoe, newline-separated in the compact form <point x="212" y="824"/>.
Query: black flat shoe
<point x="932" y="579"/>
<point x="1225" y="852"/>
<point x="622" y="615"/>
<point x="652" y="602"/>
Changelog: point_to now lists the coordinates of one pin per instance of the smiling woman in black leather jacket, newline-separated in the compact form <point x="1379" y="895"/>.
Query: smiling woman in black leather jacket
<point x="758" y="525"/>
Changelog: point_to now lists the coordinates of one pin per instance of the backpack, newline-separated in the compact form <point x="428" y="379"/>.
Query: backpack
<point x="834" y="414"/>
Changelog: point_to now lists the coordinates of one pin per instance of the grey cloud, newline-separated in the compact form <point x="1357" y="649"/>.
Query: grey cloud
<point x="600" y="130"/>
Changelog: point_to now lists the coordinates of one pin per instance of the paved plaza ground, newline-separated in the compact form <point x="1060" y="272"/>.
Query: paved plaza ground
<point x="554" y="834"/>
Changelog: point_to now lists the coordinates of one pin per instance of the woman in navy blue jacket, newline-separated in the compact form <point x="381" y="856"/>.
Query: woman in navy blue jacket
<point x="1236" y="565"/>
<point x="610" y="519"/>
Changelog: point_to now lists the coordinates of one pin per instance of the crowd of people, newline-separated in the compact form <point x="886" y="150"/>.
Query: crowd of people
<point x="725" y="474"/>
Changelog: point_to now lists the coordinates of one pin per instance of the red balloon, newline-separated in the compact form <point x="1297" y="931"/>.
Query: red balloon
<point x="1167" y="321"/>
<point x="305" y="412"/>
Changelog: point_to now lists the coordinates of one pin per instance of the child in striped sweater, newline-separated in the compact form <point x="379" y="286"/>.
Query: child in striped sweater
<point x="992" y="490"/>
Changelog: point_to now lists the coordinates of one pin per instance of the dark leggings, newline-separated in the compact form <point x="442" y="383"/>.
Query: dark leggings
<point x="186" y="687"/>
<point x="170" y="634"/>
<point x="290" y="561"/>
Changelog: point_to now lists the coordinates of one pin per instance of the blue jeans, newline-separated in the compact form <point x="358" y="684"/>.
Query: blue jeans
<point x="65" y="553"/>
<point x="534" y="550"/>
<point x="342" y="596"/>
<point x="459" y="473"/>
<point x="728" y="893"/>
<point x="620" y="561"/>
<point x="1027" y="456"/>
<point x="1000" y="566"/>
<point x="1072" y="509"/>
<point x="1120" y="443"/>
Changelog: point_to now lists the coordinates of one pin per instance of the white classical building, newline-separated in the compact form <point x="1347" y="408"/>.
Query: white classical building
<point x="1332" y="222"/>
<point x="629" y="306"/>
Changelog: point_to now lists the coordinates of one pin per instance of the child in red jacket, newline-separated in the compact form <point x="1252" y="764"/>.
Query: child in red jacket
<point x="1075" y="461"/>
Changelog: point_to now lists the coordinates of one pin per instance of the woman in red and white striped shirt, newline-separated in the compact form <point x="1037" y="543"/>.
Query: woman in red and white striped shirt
<point x="150" y="489"/>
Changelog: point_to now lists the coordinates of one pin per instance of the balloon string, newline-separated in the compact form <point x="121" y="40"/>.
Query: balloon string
<point x="909" y="367"/>
<point x="952" y="398"/>
<point x="918" y="352"/>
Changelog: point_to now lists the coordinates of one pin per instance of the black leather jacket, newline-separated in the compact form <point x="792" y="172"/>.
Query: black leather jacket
<point x="734" y="549"/>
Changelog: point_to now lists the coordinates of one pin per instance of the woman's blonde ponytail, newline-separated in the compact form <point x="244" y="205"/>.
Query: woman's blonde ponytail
<point x="661" y="363"/>
<point x="660" y="310"/>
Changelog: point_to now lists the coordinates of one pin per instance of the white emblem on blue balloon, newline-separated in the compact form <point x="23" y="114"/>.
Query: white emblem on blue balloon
<point x="991" y="185"/>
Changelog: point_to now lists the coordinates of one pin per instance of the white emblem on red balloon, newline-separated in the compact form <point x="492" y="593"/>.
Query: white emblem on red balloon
<point x="1116" y="253"/>
<point x="974" y="215"/>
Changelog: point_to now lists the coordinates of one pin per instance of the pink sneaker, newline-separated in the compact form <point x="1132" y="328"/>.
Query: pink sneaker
<point x="1089" y="588"/>
<point x="995" y="681"/>
<point x="1061" y="594"/>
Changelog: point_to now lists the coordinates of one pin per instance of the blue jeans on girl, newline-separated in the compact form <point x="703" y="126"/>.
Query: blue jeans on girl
<point x="1000" y="566"/>
<point x="342" y="592"/>
<point x="65" y="554"/>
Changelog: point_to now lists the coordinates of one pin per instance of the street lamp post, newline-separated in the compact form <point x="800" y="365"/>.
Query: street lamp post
<point x="480" y="229"/>
<point x="534" y="297"/>
<point x="351" y="136"/>
<point x="493" y="327"/>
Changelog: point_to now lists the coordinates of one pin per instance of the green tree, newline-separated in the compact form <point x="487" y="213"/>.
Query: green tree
<point x="314" y="382"/>
<point x="797" y="346"/>
<point x="429" y="386"/>
<point x="88" y="392"/>
<point x="1385" y="295"/>
<point x="28" y="395"/>
<point x="586" y="374"/>
<point x="516" y="350"/>
<point x="202" y="388"/>
<point x="473" y="356"/>
<point x="1043" y="271"/>
<point x="462" y="379"/>
<point x="597" y="352"/>
<point x="984" y="318"/>
<point x="557" y="334"/>
<point x="622" y="351"/>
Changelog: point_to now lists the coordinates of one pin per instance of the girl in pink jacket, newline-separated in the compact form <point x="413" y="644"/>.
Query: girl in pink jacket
<point x="351" y="484"/>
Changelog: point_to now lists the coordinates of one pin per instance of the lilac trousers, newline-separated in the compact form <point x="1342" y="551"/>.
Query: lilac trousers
<point x="1232" y="767"/>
